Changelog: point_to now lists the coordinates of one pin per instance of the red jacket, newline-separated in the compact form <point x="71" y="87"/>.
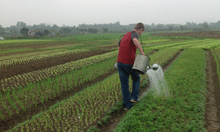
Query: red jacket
<point x="127" y="50"/>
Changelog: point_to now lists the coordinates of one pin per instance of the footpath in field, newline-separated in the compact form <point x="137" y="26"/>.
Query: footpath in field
<point x="212" y="115"/>
<point x="116" y="118"/>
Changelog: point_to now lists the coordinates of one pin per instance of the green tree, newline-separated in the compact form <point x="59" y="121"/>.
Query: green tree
<point x="24" y="31"/>
<point x="46" y="32"/>
<point x="13" y="29"/>
<point x="66" y="30"/>
<point x="55" y="27"/>
<point x="39" y="33"/>
<point x="2" y="31"/>
<point x="181" y="27"/>
<point x="92" y="30"/>
<point x="159" y="27"/>
<point x="170" y="27"/>
<point x="20" y="25"/>
<point x="205" y="25"/>
<point x="105" y="30"/>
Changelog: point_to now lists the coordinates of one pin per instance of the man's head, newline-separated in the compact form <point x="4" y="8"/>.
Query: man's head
<point x="139" y="27"/>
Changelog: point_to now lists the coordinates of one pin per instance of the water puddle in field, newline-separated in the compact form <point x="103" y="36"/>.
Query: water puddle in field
<point x="158" y="84"/>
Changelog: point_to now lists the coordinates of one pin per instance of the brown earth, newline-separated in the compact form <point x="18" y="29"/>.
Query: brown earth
<point x="212" y="115"/>
<point x="116" y="118"/>
<point x="46" y="63"/>
<point x="207" y="34"/>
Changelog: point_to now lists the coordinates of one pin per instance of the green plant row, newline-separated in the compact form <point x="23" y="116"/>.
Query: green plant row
<point x="180" y="43"/>
<point x="90" y="37"/>
<point x="212" y="44"/>
<point x="5" y="51"/>
<point x="81" y="110"/>
<point x="59" y="47"/>
<point x="37" y="51"/>
<point x="46" y="55"/>
<point x="105" y="46"/>
<point x="183" y="110"/>
<point x="8" y="84"/>
<point x="154" y="41"/>
<point x="205" y="41"/>
<point x="9" y="45"/>
<point x="22" y="41"/>
<point x="163" y="55"/>
<point x="17" y="56"/>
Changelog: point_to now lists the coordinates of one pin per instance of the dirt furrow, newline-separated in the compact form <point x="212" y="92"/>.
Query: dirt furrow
<point x="11" y="71"/>
<point x="212" y="115"/>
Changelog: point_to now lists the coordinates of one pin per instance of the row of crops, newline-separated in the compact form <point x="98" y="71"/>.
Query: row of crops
<point x="205" y="44"/>
<point x="23" y="41"/>
<point x="31" y="57"/>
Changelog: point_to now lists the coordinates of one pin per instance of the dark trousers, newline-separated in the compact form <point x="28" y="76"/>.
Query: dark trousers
<point x="124" y="71"/>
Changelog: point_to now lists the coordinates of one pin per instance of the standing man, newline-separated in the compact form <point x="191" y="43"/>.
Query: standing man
<point x="126" y="56"/>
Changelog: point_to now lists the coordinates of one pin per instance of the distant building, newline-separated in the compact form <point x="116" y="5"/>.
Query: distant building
<point x="1" y="38"/>
<point x="31" y="33"/>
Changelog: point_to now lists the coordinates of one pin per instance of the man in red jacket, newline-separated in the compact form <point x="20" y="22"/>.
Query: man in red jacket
<point x="126" y="56"/>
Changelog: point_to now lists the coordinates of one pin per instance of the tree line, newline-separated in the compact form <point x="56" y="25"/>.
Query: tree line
<point x="46" y="29"/>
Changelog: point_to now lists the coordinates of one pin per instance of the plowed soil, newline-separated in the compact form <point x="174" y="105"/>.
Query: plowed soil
<point x="212" y="115"/>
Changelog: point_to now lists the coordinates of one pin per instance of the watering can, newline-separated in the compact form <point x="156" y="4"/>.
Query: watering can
<point x="141" y="64"/>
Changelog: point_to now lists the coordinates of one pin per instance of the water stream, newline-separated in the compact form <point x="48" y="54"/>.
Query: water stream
<point x="158" y="84"/>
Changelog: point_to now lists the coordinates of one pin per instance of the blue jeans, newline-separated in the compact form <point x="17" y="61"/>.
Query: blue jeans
<point x="124" y="71"/>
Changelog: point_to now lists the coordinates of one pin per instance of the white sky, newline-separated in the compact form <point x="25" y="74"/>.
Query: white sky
<point x="75" y="12"/>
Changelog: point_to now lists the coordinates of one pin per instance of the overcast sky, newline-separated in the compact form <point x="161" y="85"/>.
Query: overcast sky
<point x="75" y="12"/>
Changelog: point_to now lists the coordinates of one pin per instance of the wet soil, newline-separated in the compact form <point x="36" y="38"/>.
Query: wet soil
<point x="212" y="115"/>
<point x="116" y="118"/>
